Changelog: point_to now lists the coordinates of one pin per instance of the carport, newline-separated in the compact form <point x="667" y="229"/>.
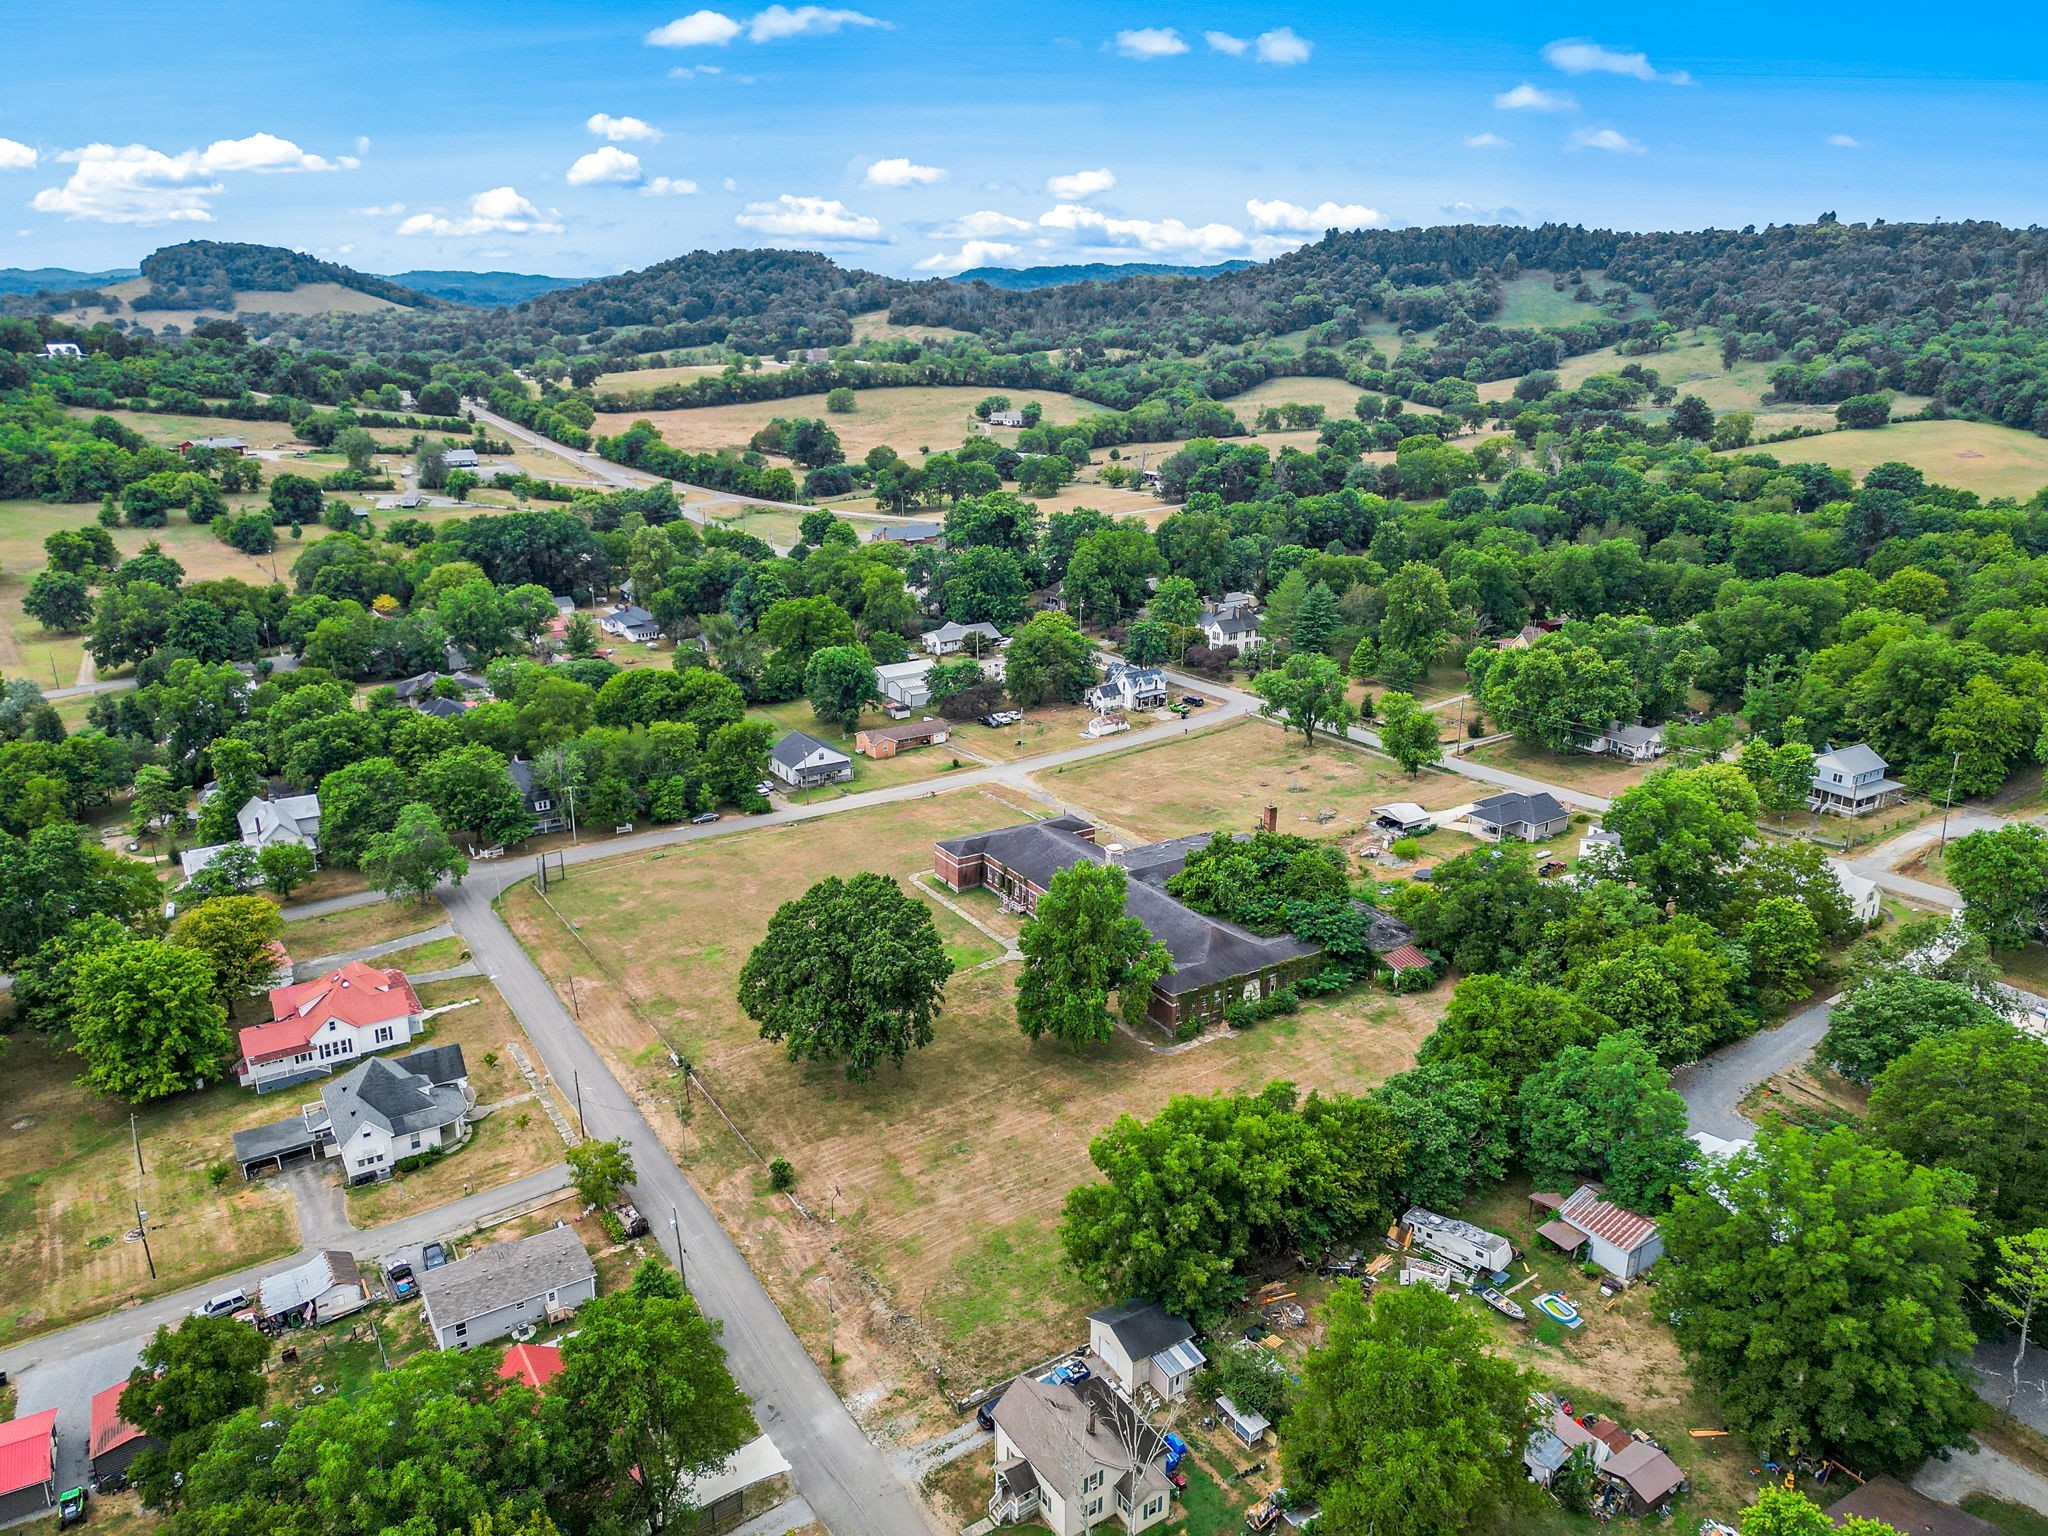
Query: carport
<point x="286" y="1142"/>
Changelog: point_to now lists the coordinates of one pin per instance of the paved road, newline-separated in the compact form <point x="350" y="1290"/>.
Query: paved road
<point x="1713" y="1087"/>
<point x="1987" y="1470"/>
<point x="63" y="1370"/>
<point x="303" y="969"/>
<point x="840" y="1472"/>
<point x="1876" y="863"/>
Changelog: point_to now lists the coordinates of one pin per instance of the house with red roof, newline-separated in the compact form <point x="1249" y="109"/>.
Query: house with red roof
<point x="114" y="1442"/>
<point x="28" y="1466"/>
<point x="329" y="1022"/>
<point x="534" y="1364"/>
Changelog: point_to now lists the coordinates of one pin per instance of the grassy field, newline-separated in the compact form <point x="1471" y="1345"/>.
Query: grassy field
<point x="435" y="955"/>
<point x="1970" y="455"/>
<point x="1529" y="300"/>
<point x="68" y="1190"/>
<point x="359" y="927"/>
<point x="1223" y="779"/>
<point x="875" y="325"/>
<point x="1336" y="396"/>
<point x="868" y="773"/>
<point x="936" y="417"/>
<point x="306" y="299"/>
<point x="1603" y="776"/>
<point x="1050" y="728"/>
<point x="943" y="1180"/>
<point x="516" y="1140"/>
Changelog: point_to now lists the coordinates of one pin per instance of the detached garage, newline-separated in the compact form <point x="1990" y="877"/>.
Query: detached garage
<point x="28" y="1466"/>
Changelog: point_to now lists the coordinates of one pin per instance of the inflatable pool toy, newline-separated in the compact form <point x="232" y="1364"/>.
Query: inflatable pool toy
<point x="1555" y="1306"/>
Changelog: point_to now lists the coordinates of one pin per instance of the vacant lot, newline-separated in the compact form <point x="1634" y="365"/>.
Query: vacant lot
<point x="935" y="417"/>
<point x="1049" y="728"/>
<point x="379" y="922"/>
<point x="1221" y="780"/>
<point x="68" y="1192"/>
<point x="1603" y="776"/>
<point x="516" y="1139"/>
<point x="943" y="1180"/>
<point x="1970" y="455"/>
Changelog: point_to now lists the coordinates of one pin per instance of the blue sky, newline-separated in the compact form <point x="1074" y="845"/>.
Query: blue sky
<point x="916" y="137"/>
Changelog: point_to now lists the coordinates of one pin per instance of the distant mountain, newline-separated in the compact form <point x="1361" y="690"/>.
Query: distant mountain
<point x="57" y="279"/>
<point x="488" y="290"/>
<point x="1025" y="279"/>
<point x="207" y="274"/>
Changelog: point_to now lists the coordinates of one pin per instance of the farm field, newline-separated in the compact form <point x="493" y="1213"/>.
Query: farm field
<point x="876" y="325"/>
<point x="306" y="299"/>
<point x="943" y="1180"/>
<point x="68" y="1192"/>
<point x="1971" y="455"/>
<point x="1224" y="778"/>
<point x="937" y="417"/>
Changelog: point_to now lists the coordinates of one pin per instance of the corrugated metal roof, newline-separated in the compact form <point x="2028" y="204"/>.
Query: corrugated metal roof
<point x="109" y="1430"/>
<point x="26" y="1456"/>
<point x="1605" y="1220"/>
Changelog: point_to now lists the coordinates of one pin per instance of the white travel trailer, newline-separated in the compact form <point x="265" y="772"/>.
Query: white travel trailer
<point x="1460" y="1242"/>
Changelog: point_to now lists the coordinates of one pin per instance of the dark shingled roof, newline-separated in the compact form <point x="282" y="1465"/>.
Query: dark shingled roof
<point x="278" y="1140"/>
<point x="391" y="1097"/>
<point x="1897" y="1505"/>
<point x="1205" y="949"/>
<point x="1143" y="1328"/>
<point x="436" y="1063"/>
<point x="796" y="746"/>
<point x="1507" y="810"/>
<point x="504" y="1274"/>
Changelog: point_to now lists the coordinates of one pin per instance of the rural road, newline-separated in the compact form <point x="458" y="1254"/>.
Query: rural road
<point x="63" y="1370"/>
<point x="840" y="1472"/>
<point x="1713" y="1086"/>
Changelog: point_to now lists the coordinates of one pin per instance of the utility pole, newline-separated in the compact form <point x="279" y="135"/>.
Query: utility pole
<point x="1951" y="799"/>
<point x="575" y="998"/>
<point x="581" y="1129"/>
<point x="142" y="1231"/>
<point x="136" y="1137"/>
<point x="675" y="1226"/>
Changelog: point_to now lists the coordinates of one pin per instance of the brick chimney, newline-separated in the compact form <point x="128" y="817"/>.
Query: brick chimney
<point x="1269" y="819"/>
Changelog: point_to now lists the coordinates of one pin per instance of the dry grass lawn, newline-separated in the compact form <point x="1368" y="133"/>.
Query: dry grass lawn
<point x="876" y="325"/>
<point x="68" y="1193"/>
<point x="944" y="1179"/>
<point x="516" y="1140"/>
<point x="379" y="922"/>
<point x="868" y="773"/>
<point x="1223" y="779"/>
<point x="1603" y="776"/>
<point x="1050" y="728"/>
<point x="937" y="417"/>
<point x="1338" y="398"/>
<point x="307" y="299"/>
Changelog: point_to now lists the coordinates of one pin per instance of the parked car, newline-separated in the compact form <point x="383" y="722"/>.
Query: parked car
<point x="70" y="1507"/>
<point x="703" y="818"/>
<point x="1193" y="700"/>
<point x="985" y="1415"/>
<point x="630" y="1218"/>
<point x="227" y="1304"/>
<point x="403" y="1286"/>
<point x="765" y="788"/>
<point x="1001" y="717"/>
<point x="434" y="1256"/>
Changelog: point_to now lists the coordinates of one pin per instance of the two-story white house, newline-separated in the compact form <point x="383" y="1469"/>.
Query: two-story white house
<point x="1235" y="631"/>
<point x="1076" y="1455"/>
<point x="326" y="1023"/>
<point x="385" y="1111"/>
<point x="1127" y="687"/>
<point x="630" y="623"/>
<point x="1144" y="1345"/>
<point x="952" y="637"/>
<point x="292" y="819"/>
<point x="1850" y="781"/>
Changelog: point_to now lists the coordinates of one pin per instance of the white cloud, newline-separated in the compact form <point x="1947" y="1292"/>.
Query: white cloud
<point x="1473" y="213"/>
<point x="730" y="185"/>
<point x="621" y="130"/>
<point x="975" y="253"/>
<point x="362" y="143"/>
<point x="780" y="21"/>
<point x="1150" y="43"/>
<point x="983" y="225"/>
<point x="1606" y="138"/>
<point x="1145" y="234"/>
<point x="1282" y="46"/>
<point x="691" y="71"/>
<point x="15" y="155"/>
<point x="500" y="211"/>
<point x="1844" y="141"/>
<point x="667" y="186"/>
<point x="381" y="210"/>
<point x="1076" y="185"/>
<point x="1529" y="98"/>
<point x="1223" y="42"/>
<point x="1581" y="56"/>
<point x="1486" y="141"/>
<point x="1276" y="214"/>
<point x="609" y="166"/>
<point x="820" y="218"/>
<point x="134" y="184"/>
<point x="900" y="171"/>
<point x="699" y="29"/>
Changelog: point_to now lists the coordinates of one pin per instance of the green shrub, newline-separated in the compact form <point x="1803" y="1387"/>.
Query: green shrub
<point x="1406" y="848"/>
<point x="781" y="1176"/>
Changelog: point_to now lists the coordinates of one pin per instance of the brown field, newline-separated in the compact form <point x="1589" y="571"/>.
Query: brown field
<point x="942" y="1181"/>
<point x="938" y="417"/>
<point x="68" y="1191"/>
<point x="1603" y="776"/>
<point x="876" y="325"/>
<point x="1970" y="455"/>
<point x="1223" y="779"/>
<point x="517" y="1140"/>
<point x="307" y="299"/>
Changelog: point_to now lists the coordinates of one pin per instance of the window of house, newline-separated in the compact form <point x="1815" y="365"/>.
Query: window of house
<point x="1091" y="1482"/>
<point x="1092" y="1509"/>
<point x="543" y="805"/>
<point x="1154" y="1504"/>
<point x="384" y="1034"/>
<point x="462" y="1330"/>
<point x="415" y="1143"/>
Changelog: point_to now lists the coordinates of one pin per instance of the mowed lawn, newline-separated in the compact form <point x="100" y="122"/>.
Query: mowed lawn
<point x="1223" y="779"/>
<point x="69" y="1187"/>
<point x="1975" y="456"/>
<point x="945" y="1178"/>
<point x="939" y="416"/>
